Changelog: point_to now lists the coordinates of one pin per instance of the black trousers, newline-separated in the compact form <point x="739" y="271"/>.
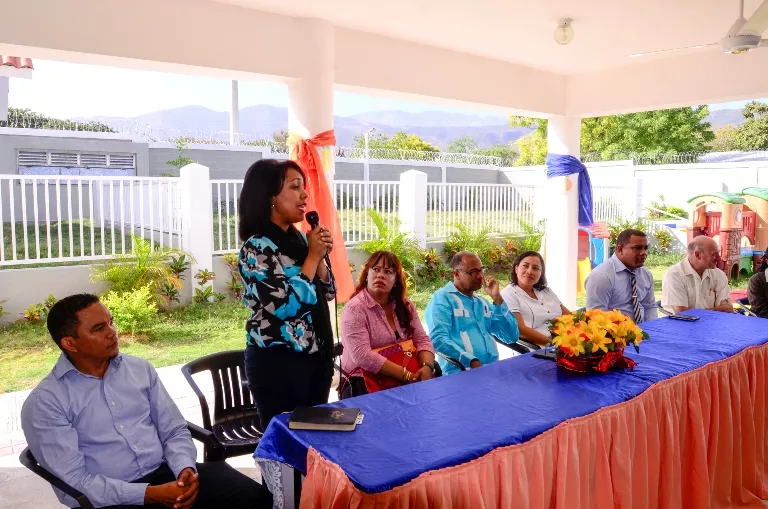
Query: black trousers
<point x="281" y="379"/>
<point x="220" y="486"/>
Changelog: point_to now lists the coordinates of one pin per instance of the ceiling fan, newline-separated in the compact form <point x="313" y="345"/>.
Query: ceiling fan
<point x="744" y="35"/>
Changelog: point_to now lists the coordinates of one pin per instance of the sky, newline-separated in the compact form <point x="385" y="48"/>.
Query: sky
<point x="66" y="90"/>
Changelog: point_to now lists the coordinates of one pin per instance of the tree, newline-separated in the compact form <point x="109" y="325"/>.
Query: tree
<point x="753" y="134"/>
<point x="725" y="139"/>
<point x="28" y="119"/>
<point x="463" y="145"/>
<point x="400" y="141"/>
<point x="182" y="145"/>
<point x="506" y="153"/>
<point x="644" y="133"/>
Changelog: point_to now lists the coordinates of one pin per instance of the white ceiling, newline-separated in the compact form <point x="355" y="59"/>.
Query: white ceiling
<point x="606" y="31"/>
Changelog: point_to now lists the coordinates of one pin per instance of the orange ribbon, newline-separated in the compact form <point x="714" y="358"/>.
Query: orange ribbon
<point x="304" y="152"/>
<point x="601" y="364"/>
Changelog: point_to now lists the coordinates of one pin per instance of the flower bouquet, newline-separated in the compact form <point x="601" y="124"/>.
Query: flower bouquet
<point x="594" y="340"/>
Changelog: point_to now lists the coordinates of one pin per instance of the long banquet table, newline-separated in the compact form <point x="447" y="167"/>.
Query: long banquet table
<point x="686" y="428"/>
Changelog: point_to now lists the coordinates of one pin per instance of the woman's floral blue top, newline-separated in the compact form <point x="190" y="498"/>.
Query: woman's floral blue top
<point x="279" y="296"/>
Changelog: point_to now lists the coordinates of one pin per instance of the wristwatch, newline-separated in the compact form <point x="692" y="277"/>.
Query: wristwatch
<point x="430" y="366"/>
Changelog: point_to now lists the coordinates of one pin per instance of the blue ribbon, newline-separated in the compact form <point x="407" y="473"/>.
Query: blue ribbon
<point x="561" y="166"/>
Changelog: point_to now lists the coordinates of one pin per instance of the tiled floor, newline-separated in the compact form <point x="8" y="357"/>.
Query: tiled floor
<point x="21" y="489"/>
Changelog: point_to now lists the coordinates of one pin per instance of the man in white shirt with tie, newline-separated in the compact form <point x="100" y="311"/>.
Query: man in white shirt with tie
<point x="623" y="282"/>
<point x="696" y="282"/>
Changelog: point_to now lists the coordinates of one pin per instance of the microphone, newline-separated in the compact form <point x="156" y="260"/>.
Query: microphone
<point x="313" y="218"/>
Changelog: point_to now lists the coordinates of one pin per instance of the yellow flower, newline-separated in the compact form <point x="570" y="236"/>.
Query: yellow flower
<point x="565" y="320"/>
<point x="598" y="339"/>
<point x="572" y="343"/>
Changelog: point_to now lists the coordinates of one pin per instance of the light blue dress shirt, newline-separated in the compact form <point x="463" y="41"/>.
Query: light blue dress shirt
<point x="98" y="434"/>
<point x="460" y="327"/>
<point x="609" y="287"/>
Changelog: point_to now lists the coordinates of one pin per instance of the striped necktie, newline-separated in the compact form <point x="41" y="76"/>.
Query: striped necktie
<point x="637" y="312"/>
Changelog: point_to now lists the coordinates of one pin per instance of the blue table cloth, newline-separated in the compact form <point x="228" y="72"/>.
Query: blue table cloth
<point x="454" y="419"/>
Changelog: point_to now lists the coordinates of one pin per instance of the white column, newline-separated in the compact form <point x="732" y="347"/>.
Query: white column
<point x="563" y="137"/>
<point x="196" y="218"/>
<point x="639" y="202"/>
<point x="234" y="116"/>
<point x="310" y="111"/>
<point x="413" y="205"/>
<point x="4" y="90"/>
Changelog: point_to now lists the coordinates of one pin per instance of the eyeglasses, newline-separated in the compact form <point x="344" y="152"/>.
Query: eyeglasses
<point x="474" y="272"/>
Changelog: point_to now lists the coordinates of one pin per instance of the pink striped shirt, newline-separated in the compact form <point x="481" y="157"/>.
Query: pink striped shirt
<point x="364" y="326"/>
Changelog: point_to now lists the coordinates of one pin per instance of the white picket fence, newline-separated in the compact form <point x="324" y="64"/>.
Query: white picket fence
<point x="51" y="219"/>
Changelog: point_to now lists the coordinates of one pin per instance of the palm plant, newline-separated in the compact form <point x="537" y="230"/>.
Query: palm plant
<point x="390" y="238"/>
<point x="463" y="239"/>
<point x="146" y="265"/>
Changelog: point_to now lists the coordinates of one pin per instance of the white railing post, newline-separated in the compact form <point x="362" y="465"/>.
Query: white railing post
<point x="638" y="199"/>
<point x="197" y="217"/>
<point x="413" y="205"/>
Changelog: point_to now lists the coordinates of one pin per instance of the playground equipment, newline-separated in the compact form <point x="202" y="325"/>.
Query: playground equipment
<point x="594" y="249"/>
<point x="721" y="216"/>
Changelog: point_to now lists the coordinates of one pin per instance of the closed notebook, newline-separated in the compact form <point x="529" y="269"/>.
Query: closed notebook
<point x="324" y="418"/>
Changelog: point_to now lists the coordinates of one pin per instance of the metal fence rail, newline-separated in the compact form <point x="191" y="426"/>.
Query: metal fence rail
<point x="499" y="208"/>
<point x="51" y="219"/>
<point x="613" y="204"/>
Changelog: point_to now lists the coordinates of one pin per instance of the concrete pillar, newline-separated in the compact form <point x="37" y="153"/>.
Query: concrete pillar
<point x="4" y="90"/>
<point x="310" y="111"/>
<point x="234" y="116"/>
<point x="562" y="214"/>
<point x="197" y="220"/>
<point x="412" y="206"/>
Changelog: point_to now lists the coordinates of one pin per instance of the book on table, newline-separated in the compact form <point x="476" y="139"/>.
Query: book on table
<point x="324" y="418"/>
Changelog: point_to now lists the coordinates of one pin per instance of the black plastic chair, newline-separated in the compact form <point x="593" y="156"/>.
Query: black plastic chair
<point x="28" y="460"/>
<point x="236" y="423"/>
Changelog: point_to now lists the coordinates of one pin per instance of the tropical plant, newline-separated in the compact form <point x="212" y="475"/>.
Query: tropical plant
<point x="170" y="293"/>
<point x="463" y="239"/>
<point x="433" y="268"/>
<point x="530" y="240"/>
<point x="617" y="227"/>
<point x="501" y="258"/>
<point x="403" y="245"/>
<point x="179" y="265"/>
<point x="34" y="313"/>
<point x="236" y="287"/>
<point x="132" y="310"/>
<point x="3" y="312"/>
<point x="664" y="240"/>
<point x="204" y="275"/>
<point x="203" y="295"/>
<point x="232" y="260"/>
<point x="49" y="302"/>
<point x="144" y="266"/>
<point x="672" y="212"/>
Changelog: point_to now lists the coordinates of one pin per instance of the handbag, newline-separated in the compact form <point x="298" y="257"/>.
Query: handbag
<point x="402" y="353"/>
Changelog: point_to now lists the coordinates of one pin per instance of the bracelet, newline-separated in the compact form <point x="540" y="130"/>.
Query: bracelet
<point x="408" y="376"/>
<point x="404" y="377"/>
<point x="430" y="366"/>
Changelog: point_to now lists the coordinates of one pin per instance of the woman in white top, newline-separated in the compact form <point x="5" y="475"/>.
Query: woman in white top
<point x="530" y="300"/>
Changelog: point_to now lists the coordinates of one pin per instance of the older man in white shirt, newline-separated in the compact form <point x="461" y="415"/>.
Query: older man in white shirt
<point x="696" y="282"/>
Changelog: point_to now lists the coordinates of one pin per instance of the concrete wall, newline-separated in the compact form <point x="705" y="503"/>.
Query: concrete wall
<point x="31" y="139"/>
<point x="224" y="161"/>
<point x="24" y="287"/>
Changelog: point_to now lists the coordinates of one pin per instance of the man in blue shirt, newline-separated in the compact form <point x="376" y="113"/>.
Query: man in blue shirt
<point x="461" y="324"/>
<point x="103" y="423"/>
<point x="622" y="282"/>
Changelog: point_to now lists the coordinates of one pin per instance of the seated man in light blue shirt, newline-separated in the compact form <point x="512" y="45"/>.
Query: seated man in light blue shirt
<point x="461" y="324"/>
<point x="103" y="423"/>
<point x="622" y="282"/>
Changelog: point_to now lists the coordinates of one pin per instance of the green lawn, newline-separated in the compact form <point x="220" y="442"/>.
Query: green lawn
<point x="27" y="352"/>
<point x="77" y="249"/>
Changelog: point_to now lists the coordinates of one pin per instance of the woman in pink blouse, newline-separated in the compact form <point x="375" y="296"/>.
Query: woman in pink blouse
<point x="377" y="315"/>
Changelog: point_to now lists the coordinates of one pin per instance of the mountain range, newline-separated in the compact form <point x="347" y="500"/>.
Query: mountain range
<point x="436" y="127"/>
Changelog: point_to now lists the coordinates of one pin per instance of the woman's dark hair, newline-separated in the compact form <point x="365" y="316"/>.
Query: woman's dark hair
<point x="397" y="294"/>
<point x="263" y="181"/>
<point x="542" y="283"/>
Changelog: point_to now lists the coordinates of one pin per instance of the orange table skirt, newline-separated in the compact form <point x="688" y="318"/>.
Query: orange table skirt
<point x="697" y="440"/>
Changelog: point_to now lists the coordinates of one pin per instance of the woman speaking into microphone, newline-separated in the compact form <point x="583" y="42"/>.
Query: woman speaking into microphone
<point x="289" y="339"/>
